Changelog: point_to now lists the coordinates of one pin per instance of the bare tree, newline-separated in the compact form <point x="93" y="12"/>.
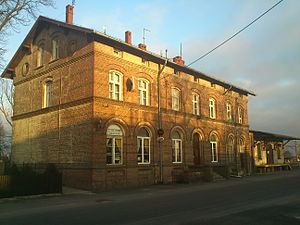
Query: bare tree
<point x="7" y="100"/>
<point x="13" y="14"/>
<point x="16" y="13"/>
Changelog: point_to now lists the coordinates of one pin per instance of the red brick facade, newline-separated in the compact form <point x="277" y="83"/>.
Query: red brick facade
<point x="72" y="130"/>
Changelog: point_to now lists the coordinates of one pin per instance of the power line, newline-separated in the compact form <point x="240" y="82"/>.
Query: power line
<point x="236" y="33"/>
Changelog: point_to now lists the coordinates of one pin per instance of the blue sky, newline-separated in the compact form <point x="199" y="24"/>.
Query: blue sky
<point x="264" y="59"/>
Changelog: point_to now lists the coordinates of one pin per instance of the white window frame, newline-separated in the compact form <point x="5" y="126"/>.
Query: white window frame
<point x="55" y="49"/>
<point x="40" y="55"/>
<point x="212" y="108"/>
<point x="47" y="93"/>
<point x="176" y="95"/>
<point x="176" y="142"/>
<point x="143" y="149"/>
<point x="143" y="92"/>
<point x="113" y="84"/>
<point x="240" y="115"/>
<point x="214" y="151"/>
<point x="195" y="103"/>
<point x="229" y="111"/>
<point x="113" y="147"/>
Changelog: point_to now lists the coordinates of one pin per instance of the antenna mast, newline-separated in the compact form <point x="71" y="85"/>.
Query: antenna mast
<point x="144" y="34"/>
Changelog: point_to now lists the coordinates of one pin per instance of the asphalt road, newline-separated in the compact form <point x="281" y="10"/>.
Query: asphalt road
<point x="160" y="204"/>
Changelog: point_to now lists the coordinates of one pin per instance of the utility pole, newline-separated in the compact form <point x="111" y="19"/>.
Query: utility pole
<point x="160" y="131"/>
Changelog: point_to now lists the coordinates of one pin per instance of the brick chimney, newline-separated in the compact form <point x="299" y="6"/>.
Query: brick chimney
<point x="178" y="60"/>
<point x="128" y="37"/>
<point x="143" y="46"/>
<point x="69" y="14"/>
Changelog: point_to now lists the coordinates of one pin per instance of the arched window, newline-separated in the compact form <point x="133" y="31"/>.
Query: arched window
<point x="115" y="85"/>
<point x="230" y="149"/>
<point x="55" y="49"/>
<point x="259" y="149"/>
<point x="241" y="145"/>
<point x="212" y="108"/>
<point x="214" y="147"/>
<point x="240" y="115"/>
<point x="195" y="102"/>
<point x="40" y="55"/>
<point x="114" y="145"/>
<point x="47" y="94"/>
<point x="143" y="146"/>
<point x="175" y="99"/>
<point x="229" y="111"/>
<point x="143" y="92"/>
<point x="176" y="147"/>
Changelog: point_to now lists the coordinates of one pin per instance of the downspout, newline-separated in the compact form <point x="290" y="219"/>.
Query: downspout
<point x="160" y="139"/>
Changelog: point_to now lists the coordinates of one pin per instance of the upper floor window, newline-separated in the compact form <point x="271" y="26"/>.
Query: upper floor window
<point x="114" y="145"/>
<point x="115" y="85"/>
<point x="212" y="108"/>
<point x="175" y="99"/>
<point x="176" y="147"/>
<point x="229" y="111"/>
<point x="240" y="115"/>
<point x="55" y="49"/>
<point x="47" y="96"/>
<point x="40" y="56"/>
<point x="214" y="147"/>
<point x="143" y="92"/>
<point x="195" y="102"/>
<point x="143" y="146"/>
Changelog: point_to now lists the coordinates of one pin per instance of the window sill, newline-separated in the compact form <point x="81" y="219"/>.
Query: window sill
<point x="177" y="162"/>
<point x="39" y="67"/>
<point x="53" y="60"/>
<point x="144" y="164"/>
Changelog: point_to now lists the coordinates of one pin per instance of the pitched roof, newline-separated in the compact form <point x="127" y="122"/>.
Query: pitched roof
<point x="265" y="136"/>
<point x="117" y="43"/>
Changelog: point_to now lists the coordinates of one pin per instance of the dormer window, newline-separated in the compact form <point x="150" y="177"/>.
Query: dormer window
<point x="40" y="56"/>
<point x="55" y="49"/>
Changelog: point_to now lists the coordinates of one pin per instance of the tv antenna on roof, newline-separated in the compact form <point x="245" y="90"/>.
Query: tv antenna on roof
<point x="144" y="34"/>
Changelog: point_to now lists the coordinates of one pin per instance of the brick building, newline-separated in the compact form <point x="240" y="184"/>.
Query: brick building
<point x="89" y="103"/>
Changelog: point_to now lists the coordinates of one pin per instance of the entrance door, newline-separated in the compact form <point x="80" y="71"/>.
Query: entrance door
<point x="270" y="158"/>
<point x="196" y="148"/>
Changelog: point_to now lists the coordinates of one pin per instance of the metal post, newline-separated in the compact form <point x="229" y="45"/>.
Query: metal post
<point x="160" y="70"/>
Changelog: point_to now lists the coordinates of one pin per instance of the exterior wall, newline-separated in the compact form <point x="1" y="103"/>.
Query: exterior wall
<point x="61" y="133"/>
<point x="72" y="131"/>
<point x="130" y="115"/>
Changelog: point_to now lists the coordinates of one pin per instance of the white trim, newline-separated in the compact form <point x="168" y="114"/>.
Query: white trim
<point x="174" y="150"/>
<point x="195" y="103"/>
<point x="176" y="95"/>
<point x="212" y="108"/>
<point x="113" y="83"/>
<point x="143" y="90"/>
<point x="143" y="150"/>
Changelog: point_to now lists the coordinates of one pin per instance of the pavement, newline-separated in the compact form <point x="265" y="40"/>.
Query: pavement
<point x="197" y="203"/>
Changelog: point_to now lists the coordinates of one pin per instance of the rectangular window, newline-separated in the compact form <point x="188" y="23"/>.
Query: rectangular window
<point x="143" y="92"/>
<point x="40" y="56"/>
<point x="175" y="99"/>
<point x="278" y="150"/>
<point x="214" y="153"/>
<point x="212" y="108"/>
<point x="47" y="101"/>
<point x="115" y="86"/>
<point x="176" y="150"/>
<point x="229" y="112"/>
<point x="55" y="49"/>
<point x="114" y="150"/>
<point x="240" y="115"/>
<point x="143" y="150"/>
<point x="195" y="103"/>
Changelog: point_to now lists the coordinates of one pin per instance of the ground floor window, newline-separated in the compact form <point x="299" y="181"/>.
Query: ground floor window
<point x="143" y="146"/>
<point x="214" y="148"/>
<point x="114" y="145"/>
<point x="230" y="149"/>
<point x="176" y="147"/>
